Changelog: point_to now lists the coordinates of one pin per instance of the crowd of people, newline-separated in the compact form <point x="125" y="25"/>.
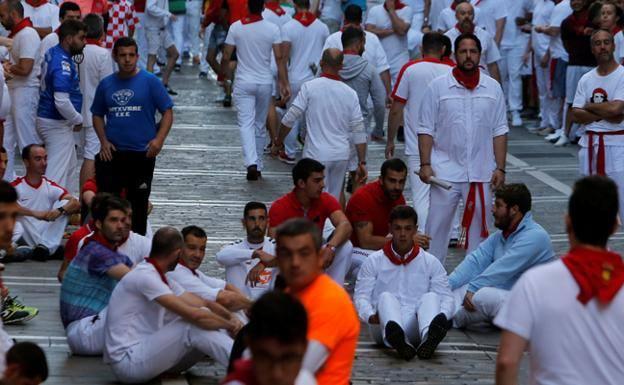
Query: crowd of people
<point x="311" y="77"/>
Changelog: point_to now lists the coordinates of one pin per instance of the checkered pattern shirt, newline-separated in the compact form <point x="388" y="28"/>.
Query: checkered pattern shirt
<point x="121" y="18"/>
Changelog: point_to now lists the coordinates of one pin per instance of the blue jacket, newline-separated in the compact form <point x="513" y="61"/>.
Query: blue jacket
<point x="499" y="262"/>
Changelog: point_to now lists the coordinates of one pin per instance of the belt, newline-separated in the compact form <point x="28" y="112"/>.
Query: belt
<point x="600" y="162"/>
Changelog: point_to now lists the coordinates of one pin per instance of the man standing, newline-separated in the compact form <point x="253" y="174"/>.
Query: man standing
<point x="599" y="105"/>
<point x="157" y="17"/>
<point x="255" y="41"/>
<point x="463" y="143"/>
<point x="584" y="308"/>
<point x="60" y="101"/>
<point x="67" y="11"/>
<point x="130" y="139"/>
<point x="43" y="14"/>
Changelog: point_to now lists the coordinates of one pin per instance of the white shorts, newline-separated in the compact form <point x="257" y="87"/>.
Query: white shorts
<point x="156" y="39"/>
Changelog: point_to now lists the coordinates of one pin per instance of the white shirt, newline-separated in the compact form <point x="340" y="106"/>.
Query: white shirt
<point x="47" y="42"/>
<point x="306" y="48"/>
<point x="133" y="313"/>
<point x="463" y="124"/>
<point x="43" y="16"/>
<point x="137" y="247"/>
<point x="408" y="283"/>
<point x="410" y="89"/>
<point x="513" y="37"/>
<point x="331" y="10"/>
<point x="254" y="48"/>
<point x="276" y="19"/>
<point x="489" y="50"/>
<point x="435" y="10"/>
<point x="240" y="254"/>
<point x="593" y="88"/>
<point x="25" y="46"/>
<point x="394" y="45"/>
<point x="5" y="98"/>
<point x="373" y="51"/>
<point x="619" y="46"/>
<point x="542" y="13"/>
<point x="333" y="119"/>
<point x="201" y="285"/>
<point x="490" y="12"/>
<point x="447" y="19"/>
<point x="558" y="15"/>
<point x="38" y="198"/>
<point x="96" y="65"/>
<point x="156" y="14"/>
<point x="569" y="343"/>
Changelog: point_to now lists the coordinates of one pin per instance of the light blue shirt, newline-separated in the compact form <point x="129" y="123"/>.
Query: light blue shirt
<point x="499" y="262"/>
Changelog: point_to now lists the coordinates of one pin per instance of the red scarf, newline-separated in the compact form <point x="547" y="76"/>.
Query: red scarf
<point x="469" y="210"/>
<point x="306" y="18"/>
<point x="160" y="272"/>
<point x="470" y="81"/>
<point x="19" y="26"/>
<point x="330" y="76"/>
<point x="396" y="260"/>
<point x="599" y="274"/>
<point x="243" y="372"/>
<point x="251" y="19"/>
<point x="93" y="41"/>
<point x="275" y="7"/>
<point x="397" y="5"/>
<point x="181" y="262"/>
<point x="97" y="237"/>
<point x="36" y="3"/>
<point x="448" y="61"/>
<point x="469" y="31"/>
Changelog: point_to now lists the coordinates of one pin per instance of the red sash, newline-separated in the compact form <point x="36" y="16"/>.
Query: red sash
<point x="469" y="212"/>
<point x="600" y="162"/>
<point x="387" y="249"/>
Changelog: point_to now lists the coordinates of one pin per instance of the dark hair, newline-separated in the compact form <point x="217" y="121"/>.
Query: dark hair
<point x="95" y="25"/>
<point x="332" y="57"/>
<point x="28" y="149"/>
<point x="71" y="28"/>
<point x="593" y="209"/>
<point x="104" y="203"/>
<point x="255" y="6"/>
<point x="433" y="42"/>
<point x="394" y="164"/>
<point x="2" y="150"/>
<point x="16" y="5"/>
<point x="195" y="231"/>
<point x="67" y="6"/>
<point x="448" y="46"/>
<point x="302" y="3"/>
<point x="465" y="36"/>
<point x="30" y="358"/>
<point x="350" y="36"/>
<point x="278" y="315"/>
<point x="598" y="30"/>
<point x="125" y="42"/>
<point x="166" y="240"/>
<point x="7" y="192"/>
<point x="353" y="14"/>
<point x="515" y="194"/>
<point x="299" y="226"/>
<point x="304" y="168"/>
<point x="253" y="206"/>
<point x="403" y="212"/>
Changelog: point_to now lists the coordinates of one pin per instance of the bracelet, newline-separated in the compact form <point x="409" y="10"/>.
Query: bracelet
<point x="425" y="164"/>
<point x="501" y="170"/>
<point x="363" y="162"/>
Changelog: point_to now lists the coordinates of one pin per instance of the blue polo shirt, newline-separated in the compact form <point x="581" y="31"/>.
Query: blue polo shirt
<point x="59" y="74"/>
<point x="129" y="108"/>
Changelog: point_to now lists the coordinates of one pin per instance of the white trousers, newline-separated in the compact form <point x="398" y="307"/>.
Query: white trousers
<point x="487" y="301"/>
<point x="290" y="142"/>
<point x="45" y="233"/>
<point x="141" y="40"/>
<point x="87" y="141"/>
<point x="335" y="171"/>
<point x="176" y="346"/>
<point x="252" y="107"/>
<point x="85" y="337"/>
<point x="358" y="257"/>
<point x="549" y="107"/>
<point x="6" y="342"/>
<point x="614" y="168"/>
<point x="342" y="261"/>
<point x="58" y="137"/>
<point x="415" y="323"/>
<point x="203" y="63"/>
<point x="193" y="16"/>
<point x="442" y="208"/>
<point x="510" y="66"/>
<point x="176" y="28"/>
<point x="420" y="191"/>
<point x="19" y="128"/>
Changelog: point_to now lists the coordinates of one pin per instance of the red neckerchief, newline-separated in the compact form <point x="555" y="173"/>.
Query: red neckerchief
<point x="350" y="52"/>
<point x="306" y="18"/>
<point x="330" y="76"/>
<point x="181" y="262"/>
<point x="397" y="5"/>
<point x="350" y="25"/>
<point x="243" y="372"/>
<point x="36" y="3"/>
<point x="275" y="7"/>
<point x="448" y="61"/>
<point x="469" y="210"/>
<point x="599" y="274"/>
<point x="251" y="19"/>
<point x="97" y="237"/>
<point x="387" y="249"/>
<point x="160" y="272"/>
<point x="19" y="26"/>
<point x="93" y="41"/>
<point x="459" y="29"/>
<point x="470" y="81"/>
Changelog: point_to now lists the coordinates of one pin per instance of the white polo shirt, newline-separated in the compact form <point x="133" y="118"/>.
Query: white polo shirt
<point x="489" y="50"/>
<point x="254" y="48"/>
<point x="43" y="16"/>
<point x="306" y="48"/>
<point x="96" y="65"/>
<point x="448" y="20"/>
<point x="137" y="247"/>
<point x="463" y="124"/>
<point x="25" y="46"/>
<point x="394" y="45"/>
<point x="541" y="16"/>
<point x="569" y="343"/>
<point x="410" y="89"/>
<point x="513" y="37"/>
<point x="373" y="51"/>
<point x="558" y="15"/>
<point x="197" y="283"/>
<point x="489" y="12"/>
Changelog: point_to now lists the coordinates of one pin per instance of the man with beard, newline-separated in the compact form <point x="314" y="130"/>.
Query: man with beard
<point x="481" y="283"/>
<point x="60" y="101"/>
<point x="462" y="139"/>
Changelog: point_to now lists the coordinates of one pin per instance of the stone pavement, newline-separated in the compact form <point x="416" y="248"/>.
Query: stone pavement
<point x="200" y="179"/>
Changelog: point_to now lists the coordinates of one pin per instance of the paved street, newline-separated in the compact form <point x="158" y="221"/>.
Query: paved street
<point x="200" y="179"/>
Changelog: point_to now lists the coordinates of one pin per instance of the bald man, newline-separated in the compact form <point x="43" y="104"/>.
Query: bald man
<point x="334" y="121"/>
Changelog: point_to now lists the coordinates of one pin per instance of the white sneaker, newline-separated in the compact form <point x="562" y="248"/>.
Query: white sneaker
<point x="554" y="136"/>
<point x="562" y="141"/>
<point x="516" y="120"/>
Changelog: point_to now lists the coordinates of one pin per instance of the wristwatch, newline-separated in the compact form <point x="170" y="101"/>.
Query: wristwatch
<point x="62" y="210"/>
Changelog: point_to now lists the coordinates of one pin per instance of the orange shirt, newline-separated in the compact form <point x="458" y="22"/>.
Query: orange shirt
<point x="333" y="322"/>
<point x="237" y="10"/>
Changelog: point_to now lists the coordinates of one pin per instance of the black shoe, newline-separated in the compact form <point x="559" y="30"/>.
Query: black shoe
<point x="453" y="243"/>
<point x="227" y="101"/>
<point x="401" y="134"/>
<point x="396" y="338"/>
<point x="203" y="75"/>
<point x="177" y="68"/>
<point x="437" y="331"/>
<point x="170" y="90"/>
<point x="59" y="254"/>
<point x="252" y="172"/>
<point x="40" y="253"/>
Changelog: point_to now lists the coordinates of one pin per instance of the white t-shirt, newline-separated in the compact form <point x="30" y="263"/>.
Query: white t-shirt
<point x="394" y="45"/>
<point x="47" y="42"/>
<point x="133" y="313"/>
<point x="331" y="10"/>
<point x="513" y="37"/>
<point x="96" y="65"/>
<point x="619" y="46"/>
<point x="447" y="19"/>
<point x="542" y="13"/>
<point x="274" y="18"/>
<point x="25" y="46"/>
<point x="201" y="285"/>
<point x="38" y="198"/>
<point x="43" y="16"/>
<point x="489" y="50"/>
<point x="410" y="89"/>
<point x="254" y="48"/>
<point x="137" y="247"/>
<point x="373" y="51"/>
<point x="435" y="10"/>
<point x="489" y="12"/>
<point x="5" y="101"/>
<point x="306" y="48"/>
<point x="569" y="343"/>
<point x="558" y="15"/>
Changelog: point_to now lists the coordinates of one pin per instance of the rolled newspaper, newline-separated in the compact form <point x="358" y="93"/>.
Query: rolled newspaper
<point x="440" y="183"/>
